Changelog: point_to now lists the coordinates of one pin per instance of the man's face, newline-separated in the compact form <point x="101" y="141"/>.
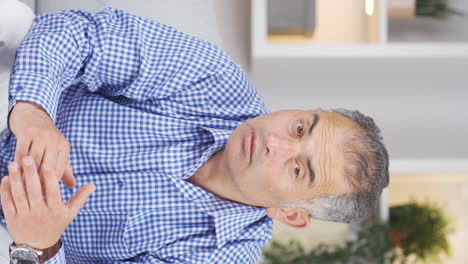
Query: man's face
<point x="275" y="167"/>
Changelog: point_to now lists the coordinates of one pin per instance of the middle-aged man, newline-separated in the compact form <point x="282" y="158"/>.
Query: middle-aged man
<point x="186" y="163"/>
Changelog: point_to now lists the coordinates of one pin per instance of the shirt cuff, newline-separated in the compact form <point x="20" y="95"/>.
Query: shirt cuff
<point x="59" y="257"/>
<point x="34" y="88"/>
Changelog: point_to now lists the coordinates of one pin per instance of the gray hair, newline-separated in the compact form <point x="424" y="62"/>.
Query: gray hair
<point x="366" y="170"/>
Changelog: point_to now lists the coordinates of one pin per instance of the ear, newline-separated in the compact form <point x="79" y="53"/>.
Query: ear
<point x="294" y="217"/>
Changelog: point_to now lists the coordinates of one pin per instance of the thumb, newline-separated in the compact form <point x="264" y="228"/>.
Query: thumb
<point x="68" y="177"/>
<point x="79" y="199"/>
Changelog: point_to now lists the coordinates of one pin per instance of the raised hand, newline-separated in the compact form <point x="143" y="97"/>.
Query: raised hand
<point x="31" y="218"/>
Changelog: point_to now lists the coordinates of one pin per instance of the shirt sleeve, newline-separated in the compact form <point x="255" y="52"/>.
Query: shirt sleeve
<point x="112" y="52"/>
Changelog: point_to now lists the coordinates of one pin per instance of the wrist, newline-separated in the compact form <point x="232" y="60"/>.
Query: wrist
<point x="24" y="111"/>
<point x="29" y="105"/>
<point x="24" y="253"/>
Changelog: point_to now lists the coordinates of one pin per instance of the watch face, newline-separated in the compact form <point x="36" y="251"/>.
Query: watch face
<point x="23" y="256"/>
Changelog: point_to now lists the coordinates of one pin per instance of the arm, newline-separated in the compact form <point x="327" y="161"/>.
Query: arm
<point x="113" y="53"/>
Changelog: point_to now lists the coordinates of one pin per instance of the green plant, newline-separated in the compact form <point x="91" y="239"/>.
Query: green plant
<point x="435" y="8"/>
<point x="417" y="231"/>
<point x="371" y="246"/>
<point x="422" y="230"/>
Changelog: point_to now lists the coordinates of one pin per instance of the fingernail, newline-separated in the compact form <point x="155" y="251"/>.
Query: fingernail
<point x="27" y="161"/>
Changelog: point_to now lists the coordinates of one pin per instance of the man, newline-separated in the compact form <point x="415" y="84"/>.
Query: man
<point x="186" y="163"/>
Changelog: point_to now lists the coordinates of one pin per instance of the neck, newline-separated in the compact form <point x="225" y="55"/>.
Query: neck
<point x="213" y="177"/>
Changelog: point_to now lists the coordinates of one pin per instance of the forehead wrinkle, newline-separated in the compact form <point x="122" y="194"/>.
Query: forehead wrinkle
<point x="331" y="161"/>
<point x="327" y="164"/>
<point x="327" y="183"/>
<point x="322" y="158"/>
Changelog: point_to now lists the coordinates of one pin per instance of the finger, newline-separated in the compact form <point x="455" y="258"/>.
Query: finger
<point x="49" y="157"/>
<point x="61" y="161"/>
<point x="8" y="205"/>
<point x="36" y="152"/>
<point x="52" y="187"/>
<point x="33" y="183"/>
<point x="48" y="161"/>
<point x="68" y="177"/>
<point x="17" y="189"/>
<point x="79" y="199"/>
<point x="22" y="148"/>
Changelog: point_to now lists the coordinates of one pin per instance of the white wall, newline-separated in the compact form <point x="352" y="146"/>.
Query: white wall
<point x="420" y="105"/>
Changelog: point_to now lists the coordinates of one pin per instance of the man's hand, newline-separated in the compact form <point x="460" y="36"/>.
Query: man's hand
<point x="37" y="134"/>
<point x="31" y="218"/>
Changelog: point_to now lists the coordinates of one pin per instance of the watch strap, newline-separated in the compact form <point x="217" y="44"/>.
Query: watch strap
<point x="50" y="252"/>
<point x="43" y="255"/>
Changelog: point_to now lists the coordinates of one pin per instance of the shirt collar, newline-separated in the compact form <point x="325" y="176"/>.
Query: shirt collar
<point x="230" y="218"/>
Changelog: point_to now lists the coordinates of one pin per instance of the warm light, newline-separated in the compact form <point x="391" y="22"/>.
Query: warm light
<point x="369" y="7"/>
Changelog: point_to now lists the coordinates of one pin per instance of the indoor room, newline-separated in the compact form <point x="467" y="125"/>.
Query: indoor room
<point x="170" y="126"/>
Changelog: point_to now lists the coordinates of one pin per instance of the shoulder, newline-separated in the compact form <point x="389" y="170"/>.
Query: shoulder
<point x="233" y="96"/>
<point x="247" y="246"/>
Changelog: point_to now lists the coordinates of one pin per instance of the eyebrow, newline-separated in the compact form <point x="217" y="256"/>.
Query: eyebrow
<point x="309" y="163"/>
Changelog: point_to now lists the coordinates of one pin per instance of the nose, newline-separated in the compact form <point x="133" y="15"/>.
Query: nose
<point x="279" y="146"/>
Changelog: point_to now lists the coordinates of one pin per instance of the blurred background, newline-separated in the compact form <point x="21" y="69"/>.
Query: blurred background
<point x="403" y="62"/>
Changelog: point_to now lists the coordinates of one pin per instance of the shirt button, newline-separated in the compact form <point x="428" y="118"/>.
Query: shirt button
<point x="120" y="183"/>
<point x="19" y="88"/>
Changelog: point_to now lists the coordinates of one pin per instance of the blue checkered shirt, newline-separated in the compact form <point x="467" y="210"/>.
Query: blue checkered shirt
<point x="143" y="107"/>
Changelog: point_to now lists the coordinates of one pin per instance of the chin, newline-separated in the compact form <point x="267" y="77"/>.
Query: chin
<point x="234" y="152"/>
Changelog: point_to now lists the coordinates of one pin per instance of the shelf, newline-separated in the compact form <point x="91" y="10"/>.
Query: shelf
<point x="429" y="166"/>
<point x="372" y="42"/>
<point x="392" y="50"/>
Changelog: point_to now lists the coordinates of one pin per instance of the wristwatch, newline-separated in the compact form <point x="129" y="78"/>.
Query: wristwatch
<point x="24" y="254"/>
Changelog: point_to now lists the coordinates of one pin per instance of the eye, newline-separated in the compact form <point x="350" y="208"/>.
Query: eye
<point x="300" y="128"/>
<point x="297" y="170"/>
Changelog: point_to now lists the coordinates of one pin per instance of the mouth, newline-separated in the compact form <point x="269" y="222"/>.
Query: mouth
<point x="249" y="144"/>
<point x="253" y="145"/>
